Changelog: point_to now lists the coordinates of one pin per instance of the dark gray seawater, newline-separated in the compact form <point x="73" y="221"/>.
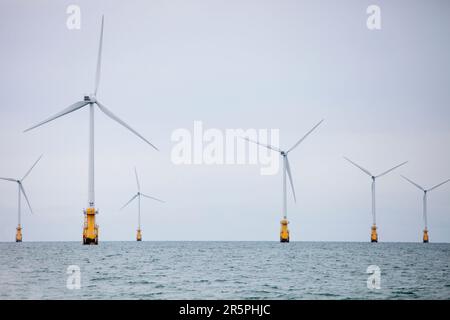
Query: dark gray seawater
<point x="224" y="270"/>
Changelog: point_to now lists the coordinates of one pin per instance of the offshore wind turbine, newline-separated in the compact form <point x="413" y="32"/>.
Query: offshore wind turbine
<point x="374" y="234"/>
<point x="425" y="195"/>
<point x="138" y="195"/>
<point x="90" y="229"/>
<point x="21" y="191"/>
<point x="284" y="233"/>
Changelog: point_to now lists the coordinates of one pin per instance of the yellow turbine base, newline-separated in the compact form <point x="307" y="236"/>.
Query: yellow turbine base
<point x="19" y="234"/>
<point x="374" y="234"/>
<point x="284" y="232"/>
<point x="90" y="229"/>
<point x="139" y="235"/>
<point x="425" y="236"/>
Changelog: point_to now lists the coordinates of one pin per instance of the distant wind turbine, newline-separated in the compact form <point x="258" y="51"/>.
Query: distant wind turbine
<point x="138" y="195"/>
<point x="21" y="191"/>
<point x="90" y="231"/>
<point x="284" y="234"/>
<point x="425" y="195"/>
<point x="374" y="235"/>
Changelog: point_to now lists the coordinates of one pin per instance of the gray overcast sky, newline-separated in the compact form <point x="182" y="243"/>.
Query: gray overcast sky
<point x="231" y="64"/>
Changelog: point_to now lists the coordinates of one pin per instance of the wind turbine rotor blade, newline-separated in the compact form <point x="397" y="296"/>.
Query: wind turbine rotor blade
<point x="26" y="198"/>
<point x="440" y="184"/>
<point x="134" y="197"/>
<point x="288" y="169"/>
<point x="99" y="58"/>
<point x="412" y="182"/>
<point x="304" y="137"/>
<point x="69" y="109"/>
<point x="358" y="166"/>
<point x="386" y="172"/>
<point x="28" y="172"/>
<point x="137" y="180"/>
<point x="262" y="144"/>
<point x="8" y="179"/>
<point x="115" y="118"/>
<point x="153" y="198"/>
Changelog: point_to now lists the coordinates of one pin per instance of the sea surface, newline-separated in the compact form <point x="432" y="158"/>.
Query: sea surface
<point x="223" y="270"/>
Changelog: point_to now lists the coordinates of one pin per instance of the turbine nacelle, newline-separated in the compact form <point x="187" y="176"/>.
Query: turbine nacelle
<point x="90" y="98"/>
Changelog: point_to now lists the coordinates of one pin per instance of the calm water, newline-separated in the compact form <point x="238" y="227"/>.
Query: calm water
<point x="224" y="270"/>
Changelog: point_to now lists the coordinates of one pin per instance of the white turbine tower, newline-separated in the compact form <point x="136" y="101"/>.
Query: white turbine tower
<point x="284" y="234"/>
<point x="21" y="191"/>
<point x="90" y="231"/>
<point x="425" y="195"/>
<point x="138" y="195"/>
<point x="374" y="235"/>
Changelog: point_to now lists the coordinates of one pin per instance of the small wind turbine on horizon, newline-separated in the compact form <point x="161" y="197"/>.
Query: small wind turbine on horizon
<point x="425" y="195"/>
<point x="21" y="191"/>
<point x="90" y="230"/>
<point x="284" y="233"/>
<point x="374" y="234"/>
<point x="138" y="195"/>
